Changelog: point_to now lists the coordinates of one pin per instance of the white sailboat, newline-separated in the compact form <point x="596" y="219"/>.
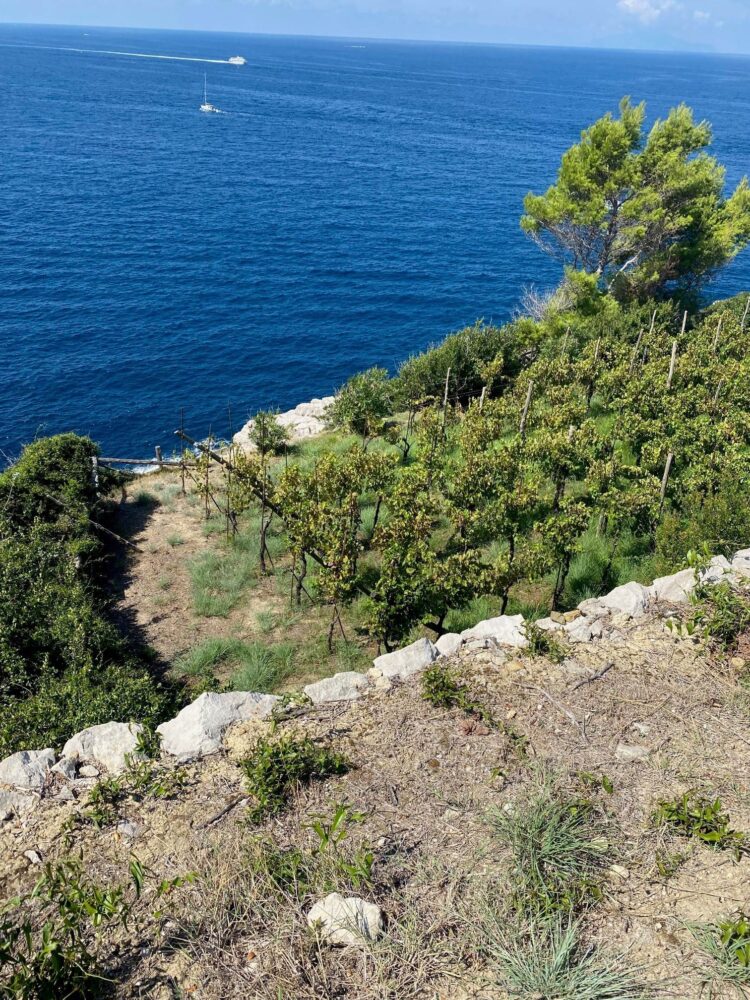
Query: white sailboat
<point x="206" y="106"/>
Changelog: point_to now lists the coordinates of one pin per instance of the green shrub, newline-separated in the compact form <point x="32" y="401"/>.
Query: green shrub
<point x="80" y="698"/>
<point x="441" y="688"/>
<point x="267" y="434"/>
<point x="55" y="940"/>
<point x="722" y="614"/>
<point x="276" y="767"/>
<point x="362" y="402"/>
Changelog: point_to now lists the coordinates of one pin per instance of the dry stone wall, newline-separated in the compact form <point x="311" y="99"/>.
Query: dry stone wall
<point x="200" y="728"/>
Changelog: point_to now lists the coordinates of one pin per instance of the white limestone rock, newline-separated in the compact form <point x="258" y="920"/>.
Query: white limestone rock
<point x="594" y="608"/>
<point x="16" y="804"/>
<point x="346" y="921"/>
<point x="505" y="630"/>
<point x="403" y="663"/>
<point x="579" y="630"/>
<point x="548" y="624"/>
<point x="741" y="563"/>
<point x="346" y="686"/>
<point x="630" y="599"/>
<point x="676" y="589"/>
<point x="628" y="754"/>
<point x="199" y="728"/>
<point x="719" y="571"/>
<point x="66" y="767"/>
<point x="108" y="745"/>
<point x="448" y="644"/>
<point x="303" y="421"/>
<point x="27" y="769"/>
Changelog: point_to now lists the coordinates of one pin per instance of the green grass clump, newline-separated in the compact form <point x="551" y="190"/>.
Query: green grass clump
<point x="254" y="666"/>
<point x="276" y="768"/>
<point x="695" y="815"/>
<point x="727" y="944"/>
<point x="219" y="580"/>
<point x="558" y="851"/>
<point x="549" y="961"/>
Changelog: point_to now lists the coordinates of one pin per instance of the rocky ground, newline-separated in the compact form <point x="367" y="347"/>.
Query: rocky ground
<point x="639" y="715"/>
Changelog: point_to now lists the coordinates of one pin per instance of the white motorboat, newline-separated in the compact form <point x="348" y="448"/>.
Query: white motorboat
<point x="237" y="60"/>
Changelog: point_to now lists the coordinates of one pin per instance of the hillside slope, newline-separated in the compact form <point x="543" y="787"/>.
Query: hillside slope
<point x="621" y="724"/>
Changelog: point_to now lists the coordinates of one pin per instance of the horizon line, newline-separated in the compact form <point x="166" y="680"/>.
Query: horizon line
<point x="385" y="39"/>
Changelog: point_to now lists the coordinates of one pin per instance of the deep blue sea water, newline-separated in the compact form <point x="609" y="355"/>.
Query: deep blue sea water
<point x="357" y="201"/>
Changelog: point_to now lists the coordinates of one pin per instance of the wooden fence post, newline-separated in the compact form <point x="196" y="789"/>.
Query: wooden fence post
<point x="664" y="481"/>
<point x="524" y="415"/>
<point x="672" y="363"/>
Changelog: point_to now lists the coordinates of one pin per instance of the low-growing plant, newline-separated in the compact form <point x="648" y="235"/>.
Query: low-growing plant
<point x="695" y="815"/>
<point x="558" y="851"/>
<point x="174" y="539"/>
<point x="722" y="614"/>
<point x="543" y="643"/>
<point x="55" y="940"/>
<point x="442" y="688"/>
<point x="276" y="767"/>
<point x="727" y="944"/>
<point x="141" y="780"/>
<point x="550" y="961"/>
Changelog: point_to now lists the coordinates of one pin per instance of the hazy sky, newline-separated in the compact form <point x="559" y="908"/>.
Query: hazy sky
<point x="718" y="25"/>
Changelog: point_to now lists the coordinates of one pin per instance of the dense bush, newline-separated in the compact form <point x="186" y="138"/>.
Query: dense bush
<point x="63" y="664"/>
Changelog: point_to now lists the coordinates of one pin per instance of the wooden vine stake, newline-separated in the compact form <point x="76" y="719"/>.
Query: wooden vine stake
<point x="481" y="398"/>
<point x="182" y="450"/>
<point x="445" y="397"/>
<point x="634" y="355"/>
<point x="672" y="363"/>
<point x="744" y="315"/>
<point x="684" y="324"/>
<point x="525" y="414"/>
<point x="664" y="481"/>
<point x="718" y="333"/>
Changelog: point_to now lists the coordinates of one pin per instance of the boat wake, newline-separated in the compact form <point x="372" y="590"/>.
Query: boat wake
<point x="232" y="61"/>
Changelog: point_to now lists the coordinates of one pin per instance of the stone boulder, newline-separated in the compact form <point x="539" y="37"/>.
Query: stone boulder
<point x="719" y="570"/>
<point x="347" y="686"/>
<point x="579" y="630"/>
<point x="16" y="804"/>
<point x="548" y="624"/>
<point x="676" y="589"/>
<point x="594" y="608"/>
<point x="741" y="562"/>
<point x="448" y="644"/>
<point x="108" y="745"/>
<point x="199" y="728"/>
<point x="27" y="769"/>
<point x="629" y="599"/>
<point x="303" y="421"/>
<point x="403" y="663"/>
<point x="346" y="921"/>
<point x="505" y="630"/>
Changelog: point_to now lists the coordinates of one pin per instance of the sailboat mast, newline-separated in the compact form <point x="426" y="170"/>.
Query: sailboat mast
<point x="205" y="98"/>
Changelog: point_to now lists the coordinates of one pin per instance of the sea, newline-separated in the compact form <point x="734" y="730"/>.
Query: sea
<point x="354" y="202"/>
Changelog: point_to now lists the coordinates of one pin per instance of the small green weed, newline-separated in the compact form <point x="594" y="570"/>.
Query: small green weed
<point x="441" y="688"/>
<point x="173" y="540"/>
<point x="142" y="780"/>
<point x="727" y="944"/>
<point x="558" y="851"/>
<point x="668" y="863"/>
<point x="695" y="815"/>
<point x="276" y="767"/>
<point x="54" y="940"/>
<point x="722" y="614"/>
<point x="543" y="643"/>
